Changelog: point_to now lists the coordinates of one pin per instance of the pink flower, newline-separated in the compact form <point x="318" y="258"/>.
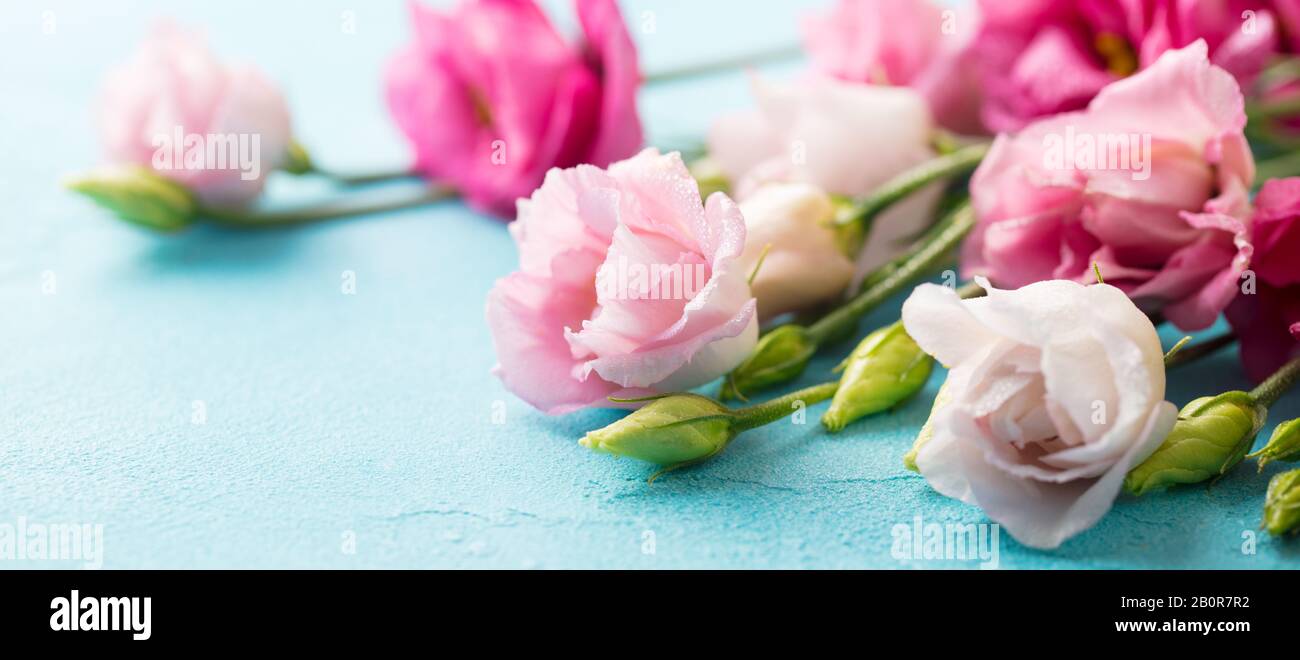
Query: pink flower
<point x="1150" y="183"/>
<point x="1288" y="16"/>
<point x="627" y="286"/>
<point x="1042" y="57"/>
<point x="1266" y="319"/>
<point x="1054" y="392"/>
<point x="491" y="97"/>
<point x="844" y="138"/>
<point x="911" y="43"/>
<point x="216" y="129"/>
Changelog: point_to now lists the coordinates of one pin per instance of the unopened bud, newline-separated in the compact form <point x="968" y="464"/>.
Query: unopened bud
<point x="1211" y="436"/>
<point x="780" y="356"/>
<point x="885" y="369"/>
<point x="139" y="196"/>
<point x="675" y="429"/>
<point x="1284" y="445"/>
<point x="1282" y="504"/>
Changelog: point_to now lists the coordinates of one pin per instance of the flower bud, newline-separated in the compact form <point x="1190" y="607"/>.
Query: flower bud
<point x="780" y="356"/>
<point x="675" y="429"/>
<point x="1211" y="436"/>
<point x="1282" y="504"/>
<point x="788" y="231"/>
<point x="297" y="160"/>
<point x="139" y="196"/>
<point x="1284" y="445"/>
<point x="885" y="369"/>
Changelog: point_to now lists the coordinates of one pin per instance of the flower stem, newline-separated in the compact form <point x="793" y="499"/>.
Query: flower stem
<point x="1272" y="389"/>
<point x="365" y="178"/>
<point x="273" y="219"/>
<point x="299" y="162"/>
<point x="1277" y="168"/>
<point x="971" y="290"/>
<point x="770" y="411"/>
<point x="961" y="161"/>
<point x="1199" y="350"/>
<point x="1283" y="107"/>
<point x="926" y="258"/>
<point x="781" y="54"/>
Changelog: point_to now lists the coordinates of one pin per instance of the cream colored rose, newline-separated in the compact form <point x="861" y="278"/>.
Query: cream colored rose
<point x="1055" y="391"/>
<point x="804" y="264"/>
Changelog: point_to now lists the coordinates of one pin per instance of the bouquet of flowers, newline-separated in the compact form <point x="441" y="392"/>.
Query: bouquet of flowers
<point x="1075" y="174"/>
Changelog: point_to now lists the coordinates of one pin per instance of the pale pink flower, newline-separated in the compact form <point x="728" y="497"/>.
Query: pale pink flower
<point x="1150" y="183"/>
<point x="232" y="122"/>
<point x="912" y="43"/>
<point x="586" y="318"/>
<point x="1055" y="391"/>
<point x="847" y="139"/>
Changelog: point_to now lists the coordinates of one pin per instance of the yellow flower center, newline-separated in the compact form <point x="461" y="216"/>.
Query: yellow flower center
<point x="1118" y="53"/>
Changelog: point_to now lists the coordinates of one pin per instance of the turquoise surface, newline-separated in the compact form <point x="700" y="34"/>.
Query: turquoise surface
<point x="362" y="430"/>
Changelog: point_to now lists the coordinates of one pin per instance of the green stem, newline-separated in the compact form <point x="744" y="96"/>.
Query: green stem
<point x="299" y="162"/>
<point x="931" y="234"/>
<point x="723" y="65"/>
<point x="273" y="219"/>
<point x="961" y="161"/>
<point x="1199" y="350"/>
<point x="1272" y="389"/>
<point x="770" y="411"/>
<point x="927" y="257"/>
<point x="1277" y="168"/>
<point x="1281" y="70"/>
<point x="364" y="178"/>
<point x="971" y="290"/>
<point x="1282" y="107"/>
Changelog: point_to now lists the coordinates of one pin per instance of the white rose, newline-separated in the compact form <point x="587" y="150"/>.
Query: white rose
<point x="804" y="265"/>
<point x="845" y="138"/>
<point x="1055" y="392"/>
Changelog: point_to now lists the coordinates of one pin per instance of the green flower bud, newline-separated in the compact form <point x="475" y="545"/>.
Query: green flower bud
<point x="780" y="356"/>
<point x="1211" y="436"/>
<point x="927" y="430"/>
<point x="885" y="369"/>
<point x="1284" y="445"/>
<point x="140" y="196"/>
<point x="297" y="160"/>
<point x="676" y="429"/>
<point x="1282" y="504"/>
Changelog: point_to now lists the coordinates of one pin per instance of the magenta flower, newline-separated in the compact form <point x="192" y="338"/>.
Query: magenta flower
<point x="1150" y="183"/>
<point x="1267" y="319"/>
<point x="491" y="97"/>
<point x="1042" y="57"/>
<point x="628" y="285"/>
<point x="910" y="43"/>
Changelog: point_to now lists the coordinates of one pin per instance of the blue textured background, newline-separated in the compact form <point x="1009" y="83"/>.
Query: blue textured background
<point x="371" y="414"/>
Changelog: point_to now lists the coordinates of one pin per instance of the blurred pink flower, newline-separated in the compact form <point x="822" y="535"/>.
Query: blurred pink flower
<point x="1150" y="183"/>
<point x="491" y="97"/>
<point x="912" y="44"/>
<point x="1042" y="57"/>
<point x="627" y="285"/>
<point x="1267" y="319"/>
<point x="844" y="138"/>
<point x="174" y="108"/>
